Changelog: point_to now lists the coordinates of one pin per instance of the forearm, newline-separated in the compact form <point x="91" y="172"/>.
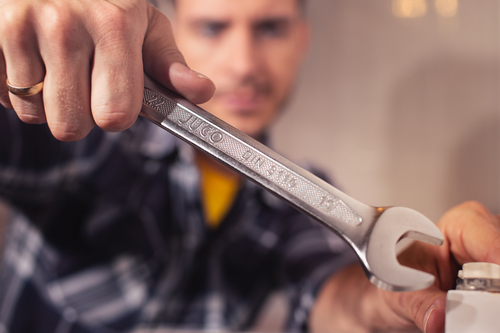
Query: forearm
<point x="349" y="302"/>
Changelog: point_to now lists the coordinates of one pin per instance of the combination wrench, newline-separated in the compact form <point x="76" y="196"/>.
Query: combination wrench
<point x="372" y="232"/>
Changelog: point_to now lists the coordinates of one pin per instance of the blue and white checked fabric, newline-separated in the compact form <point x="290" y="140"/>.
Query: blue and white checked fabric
<point x="109" y="236"/>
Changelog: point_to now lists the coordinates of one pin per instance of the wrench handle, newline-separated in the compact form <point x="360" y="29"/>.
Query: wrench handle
<point x="249" y="157"/>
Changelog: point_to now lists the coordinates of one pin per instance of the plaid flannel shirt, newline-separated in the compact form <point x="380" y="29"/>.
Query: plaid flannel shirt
<point x="109" y="236"/>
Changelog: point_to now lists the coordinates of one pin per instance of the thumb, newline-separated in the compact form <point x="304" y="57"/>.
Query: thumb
<point x="164" y="62"/>
<point x="426" y="308"/>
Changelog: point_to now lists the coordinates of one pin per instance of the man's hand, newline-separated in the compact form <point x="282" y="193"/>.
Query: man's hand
<point x="472" y="234"/>
<point x="91" y="56"/>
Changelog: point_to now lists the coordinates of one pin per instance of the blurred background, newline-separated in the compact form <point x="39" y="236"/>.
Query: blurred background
<point x="400" y="101"/>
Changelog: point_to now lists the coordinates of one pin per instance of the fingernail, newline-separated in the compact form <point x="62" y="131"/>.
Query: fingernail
<point x="428" y="315"/>
<point x="202" y="75"/>
<point x="436" y="322"/>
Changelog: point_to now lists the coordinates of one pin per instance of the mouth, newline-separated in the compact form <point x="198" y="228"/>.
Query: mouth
<point x="246" y="97"/>
<point x="242" y="102"/>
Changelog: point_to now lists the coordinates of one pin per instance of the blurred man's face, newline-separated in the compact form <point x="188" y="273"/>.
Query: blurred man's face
<point x="251" y="49"/>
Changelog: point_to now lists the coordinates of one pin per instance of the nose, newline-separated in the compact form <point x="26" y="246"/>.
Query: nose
<point x="243" y="59"/>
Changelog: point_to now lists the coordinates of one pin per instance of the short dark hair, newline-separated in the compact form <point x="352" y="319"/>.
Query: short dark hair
<point x="302" y="4"/>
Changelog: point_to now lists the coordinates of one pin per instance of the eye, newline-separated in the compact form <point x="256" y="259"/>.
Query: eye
<point x="273" y="28"/>
<point x="211" y="29"/>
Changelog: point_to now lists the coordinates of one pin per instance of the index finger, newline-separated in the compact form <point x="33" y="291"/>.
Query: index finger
<point x="473" y="233"/>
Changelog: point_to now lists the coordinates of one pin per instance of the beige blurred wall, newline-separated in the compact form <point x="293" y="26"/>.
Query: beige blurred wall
<point x="401" y="111"/>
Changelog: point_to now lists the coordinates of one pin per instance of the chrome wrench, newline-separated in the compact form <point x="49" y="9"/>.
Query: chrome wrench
<point x="371" y="231"/>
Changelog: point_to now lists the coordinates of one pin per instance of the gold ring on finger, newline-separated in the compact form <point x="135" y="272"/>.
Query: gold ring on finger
<point x="24" y="91"/>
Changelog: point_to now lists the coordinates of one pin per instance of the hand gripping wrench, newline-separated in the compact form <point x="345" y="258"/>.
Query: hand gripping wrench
<point x="371" y="231"/>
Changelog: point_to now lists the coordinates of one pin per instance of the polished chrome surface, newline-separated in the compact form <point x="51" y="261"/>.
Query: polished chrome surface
<point x="371" y="231"/>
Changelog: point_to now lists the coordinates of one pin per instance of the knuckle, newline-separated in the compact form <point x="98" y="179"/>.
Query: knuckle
<point x="15" y="22"/>
<point x="470" y="204"/>
<point x="115" y="22"/>
<point x="31" y="118"/>
<point x="466" y="211"/>
<point x="69" y="133"/>
<point x="475" y="206"/>
<point x="59" y="26"/>
<point x="114" y="120"/>
<point x="28" y="110"/>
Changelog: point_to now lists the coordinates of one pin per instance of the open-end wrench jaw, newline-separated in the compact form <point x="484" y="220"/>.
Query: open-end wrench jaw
<point x="383" y="268"/>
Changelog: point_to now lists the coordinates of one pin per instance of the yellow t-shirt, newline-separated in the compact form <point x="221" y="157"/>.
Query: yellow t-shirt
<point x="218" y="190"/>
